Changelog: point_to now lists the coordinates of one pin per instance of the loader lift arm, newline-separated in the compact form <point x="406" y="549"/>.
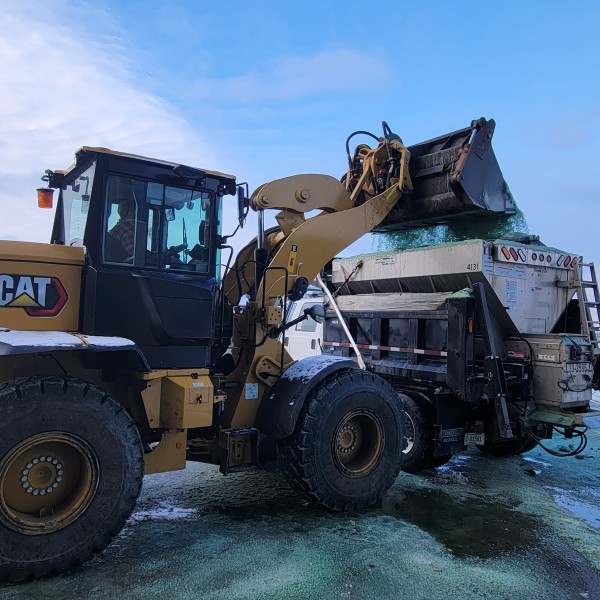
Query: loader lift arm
<point x="287" y="258"/>
<point x="379" y="182"/>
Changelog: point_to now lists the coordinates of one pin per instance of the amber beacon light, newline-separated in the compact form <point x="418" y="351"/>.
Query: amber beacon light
<point x="45" y="195"/>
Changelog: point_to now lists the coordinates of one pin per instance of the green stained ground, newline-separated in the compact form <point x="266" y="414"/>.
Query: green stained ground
<point x="521" y="528"/>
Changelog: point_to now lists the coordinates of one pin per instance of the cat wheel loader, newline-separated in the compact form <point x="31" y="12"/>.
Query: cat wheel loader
<point x="124" y="351"/>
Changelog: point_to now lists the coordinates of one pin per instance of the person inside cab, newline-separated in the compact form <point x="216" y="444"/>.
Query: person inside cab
<point x="121" y="238"/>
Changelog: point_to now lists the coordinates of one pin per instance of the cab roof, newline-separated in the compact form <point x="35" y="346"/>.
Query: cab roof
<point x="82" y="153"/>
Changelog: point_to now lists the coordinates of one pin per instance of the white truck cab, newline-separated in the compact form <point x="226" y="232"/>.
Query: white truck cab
<point x="304" y="339"/>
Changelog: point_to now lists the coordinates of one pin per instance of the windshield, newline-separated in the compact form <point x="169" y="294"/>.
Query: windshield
<point x="149" y="224"/>
<point x="76" y="202"/>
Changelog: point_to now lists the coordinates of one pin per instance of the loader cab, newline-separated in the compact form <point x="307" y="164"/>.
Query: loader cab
<point x="152" y="232"/>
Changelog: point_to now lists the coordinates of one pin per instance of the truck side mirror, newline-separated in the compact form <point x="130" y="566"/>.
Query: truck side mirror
<point x="316" y="312"/>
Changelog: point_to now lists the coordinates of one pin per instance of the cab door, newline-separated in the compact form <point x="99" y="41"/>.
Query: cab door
<point x="153" y="277"/>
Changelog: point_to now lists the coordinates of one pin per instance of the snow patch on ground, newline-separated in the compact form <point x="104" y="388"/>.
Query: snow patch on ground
<point x="535" y="460"/>
<point x="165" y="511"/>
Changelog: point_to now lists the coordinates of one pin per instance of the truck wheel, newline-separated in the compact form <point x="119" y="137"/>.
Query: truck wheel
<point x="71" y="468"/>
<point x="419" y="431"/>
<point x="347" y="447"/>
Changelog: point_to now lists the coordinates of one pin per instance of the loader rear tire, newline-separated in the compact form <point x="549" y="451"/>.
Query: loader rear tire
<point x="347" y="446"/>
<point x="71" y="468"/>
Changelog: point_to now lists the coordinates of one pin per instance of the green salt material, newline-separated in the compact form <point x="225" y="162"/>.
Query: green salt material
<point x="475" y="227"/>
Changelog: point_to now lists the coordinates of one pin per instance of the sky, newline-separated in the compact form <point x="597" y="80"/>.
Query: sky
<point x="267" y="89"/>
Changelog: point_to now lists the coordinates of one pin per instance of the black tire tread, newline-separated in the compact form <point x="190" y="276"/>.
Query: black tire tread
<point x="293" y="450"/>
<point x="426" y="459"/>
<point x="89" y="393"/>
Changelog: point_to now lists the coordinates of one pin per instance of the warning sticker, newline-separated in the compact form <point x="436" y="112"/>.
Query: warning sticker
<point x="514" y="271"/>
<point x="252" y="391"/>
<point x="511" y="292"/>
<point x="385" y="260"/>
<point x="293" y="257"/>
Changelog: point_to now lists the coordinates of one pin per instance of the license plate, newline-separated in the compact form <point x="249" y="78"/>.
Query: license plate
<point x="580" y="367"/>
<point x="475" y="438"/>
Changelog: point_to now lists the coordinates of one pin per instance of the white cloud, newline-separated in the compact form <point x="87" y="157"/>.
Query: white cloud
<point x="64" y="84"/>
<point x="340" y="70"/>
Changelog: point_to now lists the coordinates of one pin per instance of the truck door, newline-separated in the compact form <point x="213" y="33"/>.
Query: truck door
<point x="304" y="338"/>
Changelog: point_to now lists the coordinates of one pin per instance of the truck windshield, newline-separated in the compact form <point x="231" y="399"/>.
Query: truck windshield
<point x="76" y="202"/>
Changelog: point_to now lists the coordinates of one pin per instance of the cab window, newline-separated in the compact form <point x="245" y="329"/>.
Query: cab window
<point x="148" y="224"/>
<point x="121" y="226"/>
<point x="308" y="324"/>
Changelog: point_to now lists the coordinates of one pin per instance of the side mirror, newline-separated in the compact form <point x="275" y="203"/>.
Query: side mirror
<point x="243" y="204"/>
<point x="316" y="312"/>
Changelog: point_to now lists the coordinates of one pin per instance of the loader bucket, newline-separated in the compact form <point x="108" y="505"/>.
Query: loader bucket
<point x="454" y="176"/>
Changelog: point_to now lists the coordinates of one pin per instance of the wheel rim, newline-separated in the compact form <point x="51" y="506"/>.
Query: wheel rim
<point x="46" y="482"/>
<point x="358" y="443"/>
<point x="409" y="434"/>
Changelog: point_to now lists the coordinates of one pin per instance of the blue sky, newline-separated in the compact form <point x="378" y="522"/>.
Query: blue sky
<point x="269" y="89"/>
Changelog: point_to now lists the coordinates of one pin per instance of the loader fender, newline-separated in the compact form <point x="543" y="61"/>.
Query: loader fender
<point x="280" y="409"/>
<point x="13" y="342"/>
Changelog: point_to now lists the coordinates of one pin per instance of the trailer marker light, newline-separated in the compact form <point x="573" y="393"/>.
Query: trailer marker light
<point x="470" y="325"/>
<point x="541" y="258"/>
<point x="560" y="260"/>
<point x="534" y="256"/>
<point x="522" y="255"/>
<point x="506" y="253"/>
<point x="514" y="254"/>
<point x="548" y="258"/>
<point x="567" y="261"/>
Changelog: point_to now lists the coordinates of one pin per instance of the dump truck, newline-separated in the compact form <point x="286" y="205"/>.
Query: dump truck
<point x="124" y="349"/>
<point x="492" y="343"/>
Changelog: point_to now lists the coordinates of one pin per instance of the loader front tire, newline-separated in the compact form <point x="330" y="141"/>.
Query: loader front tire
<point x="347" y="446"/>
<point x="71" y="468"/>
